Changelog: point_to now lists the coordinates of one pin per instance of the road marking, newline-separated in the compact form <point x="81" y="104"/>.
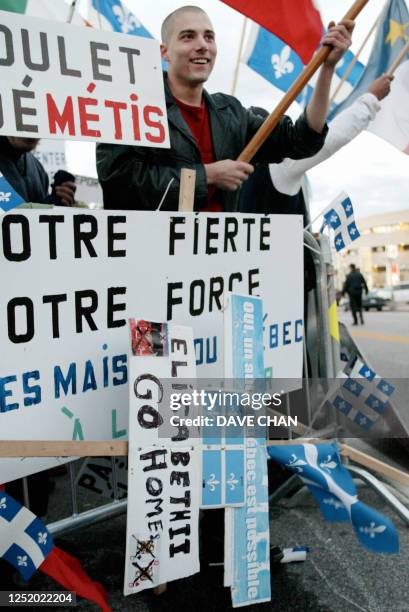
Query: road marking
<point x="361" y="333"/>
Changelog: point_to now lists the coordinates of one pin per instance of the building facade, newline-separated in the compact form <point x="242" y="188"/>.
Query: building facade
<point x="381" y="253"/>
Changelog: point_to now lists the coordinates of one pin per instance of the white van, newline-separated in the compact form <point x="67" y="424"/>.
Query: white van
<point x="401" y="292"/>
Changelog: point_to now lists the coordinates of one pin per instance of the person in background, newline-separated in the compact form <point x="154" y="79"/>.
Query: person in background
<point x="353" y="286"/>
<point x="27" y="176"/>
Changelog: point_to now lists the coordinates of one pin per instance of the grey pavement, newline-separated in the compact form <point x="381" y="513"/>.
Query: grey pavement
<point x="338" y="574"/>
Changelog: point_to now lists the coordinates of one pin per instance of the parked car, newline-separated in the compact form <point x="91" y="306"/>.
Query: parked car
<point x="374" y="300"/>
<point x="401" y="292"/>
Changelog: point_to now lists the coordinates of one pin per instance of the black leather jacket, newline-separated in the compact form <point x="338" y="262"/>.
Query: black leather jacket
<point x="135" y="178"/>
<point x="24" y="173"/>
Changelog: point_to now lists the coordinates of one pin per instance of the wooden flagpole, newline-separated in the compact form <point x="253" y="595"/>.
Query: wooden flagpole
<point x="239" y="54"/>
<point x="355" y="59"/>
<point x="404" y="51"/>
<point x="270" y="123"/>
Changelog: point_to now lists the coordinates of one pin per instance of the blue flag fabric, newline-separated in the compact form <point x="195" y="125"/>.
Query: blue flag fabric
<point x="120" y="18"/>
<point x="362" y="395"/>
<point x="391" y="36"/>
<point x="319" y="466"/>
<point x="276" y="62"/>
<point x="24" y="539"/>
<point x="9" y="198"/>
<point x="340" y="216"/>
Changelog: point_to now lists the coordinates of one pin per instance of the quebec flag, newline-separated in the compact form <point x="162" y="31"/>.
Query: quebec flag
<point x="24" y="539"/>
<point x="340" y="216"/>
<point x="120" y="18"/>
<point x="279" y="64"/>
<point x="363" y="396"/>
<point x="319" y="466"/>
<point x="9" y="198"/>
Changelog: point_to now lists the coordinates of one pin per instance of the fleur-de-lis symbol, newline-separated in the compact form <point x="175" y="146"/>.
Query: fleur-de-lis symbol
<point x="42" y="537"/>
<point x="126" y="19"/>
<point x="372" y="529"/>
<point x="232" y="482"/>
<point x="22" y="561"/>
<point x="334" y="219"/>
<point x="5" y="196"/>
<point x="281" y="64"/>
<point x="296" y="463"/>
<point x="3" y="503"/>
<point x="212" y="482"/>
<point x="328" y="464"/>
<point x="329" y="501"/>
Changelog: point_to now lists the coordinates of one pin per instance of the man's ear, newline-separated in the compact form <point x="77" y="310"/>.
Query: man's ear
<point x="164" y="52"/>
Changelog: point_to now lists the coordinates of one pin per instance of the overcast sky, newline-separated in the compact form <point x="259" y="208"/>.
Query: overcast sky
<point x="374" y="173"/>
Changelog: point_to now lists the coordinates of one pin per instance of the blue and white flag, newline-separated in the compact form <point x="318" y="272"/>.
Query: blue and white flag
<point x="340" y="216"/>
<point x="362" y="396"/>
<point x="319" y="466"/>
<point x="276" y="62"/>
<point x="9" y="198"/>
<point x="391" y="37"/>
<point x="24" y="539"/>
<point x="119" y="18"/>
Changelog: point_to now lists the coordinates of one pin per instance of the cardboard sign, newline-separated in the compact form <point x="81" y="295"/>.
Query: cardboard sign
<point x="162" y="541"/>
<point x="71" y="280"/>
<point x="64" y="81"/>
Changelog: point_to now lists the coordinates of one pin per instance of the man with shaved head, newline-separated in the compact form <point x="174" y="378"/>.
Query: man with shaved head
<point x="208" y="131"/>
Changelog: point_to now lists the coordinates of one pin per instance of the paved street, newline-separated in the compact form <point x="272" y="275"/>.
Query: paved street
<point x="338" y="576"/>
<point x="384" y="340"/>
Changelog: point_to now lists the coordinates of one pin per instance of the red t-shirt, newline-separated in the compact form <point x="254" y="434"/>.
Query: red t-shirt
<point x="197" y="118"/>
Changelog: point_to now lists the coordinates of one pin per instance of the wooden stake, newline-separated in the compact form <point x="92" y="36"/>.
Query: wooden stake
<point x="374" y="464"/>
<point x="187" y="190"/>
<point x="296" y="88"/>
<point x="84" y="448"/>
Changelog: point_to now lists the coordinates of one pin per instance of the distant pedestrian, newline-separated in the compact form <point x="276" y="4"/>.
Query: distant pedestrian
<point x="353" y="286"/>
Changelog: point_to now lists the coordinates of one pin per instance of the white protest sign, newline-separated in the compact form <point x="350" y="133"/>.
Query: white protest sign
<point x="161" y="354"/>
<point x="71" y="279"/>
<point x="63" y="81"/>
<point x="162" y="540"/>
<point x="247" y="548"/>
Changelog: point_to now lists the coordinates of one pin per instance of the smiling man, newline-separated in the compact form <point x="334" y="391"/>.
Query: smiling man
<point x="208" y="132"/>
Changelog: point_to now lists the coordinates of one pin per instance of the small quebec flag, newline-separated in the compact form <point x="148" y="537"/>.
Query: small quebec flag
<point x="362" y="396"/>
<point x="332" y="486"/>
<point x="340" y="216"/>
<point x="24" y="539"/>
<point x="9" y="198"/>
